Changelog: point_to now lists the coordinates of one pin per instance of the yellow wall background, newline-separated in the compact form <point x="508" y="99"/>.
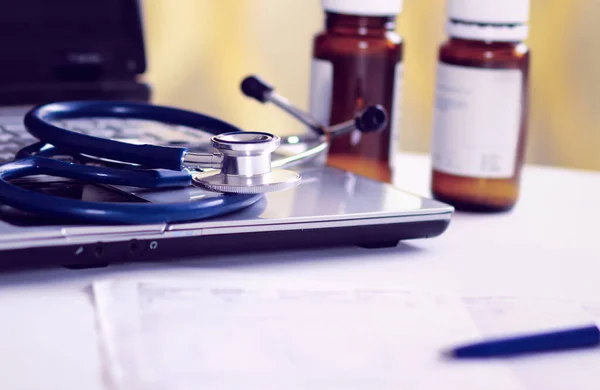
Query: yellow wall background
<point x="199" y="51"/>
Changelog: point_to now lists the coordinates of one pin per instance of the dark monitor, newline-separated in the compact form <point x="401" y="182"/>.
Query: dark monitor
<point x="59" y="49"/>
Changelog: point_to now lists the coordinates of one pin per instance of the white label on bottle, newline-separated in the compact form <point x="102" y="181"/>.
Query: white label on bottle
<point x="477" y="121"/>
<point x="396" y="113"/>
<point x="321" y="90"/>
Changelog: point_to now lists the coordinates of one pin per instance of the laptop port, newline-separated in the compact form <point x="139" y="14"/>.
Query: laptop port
<point x="134" y="247"/>
<point x="99" y="251"/>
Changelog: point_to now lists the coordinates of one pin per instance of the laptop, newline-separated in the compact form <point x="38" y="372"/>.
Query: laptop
<point x="94" y="49"/>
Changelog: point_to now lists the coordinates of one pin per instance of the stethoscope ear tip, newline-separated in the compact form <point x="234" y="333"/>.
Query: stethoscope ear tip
<point x="254" y="87"/>
<point x="372" y="119"/>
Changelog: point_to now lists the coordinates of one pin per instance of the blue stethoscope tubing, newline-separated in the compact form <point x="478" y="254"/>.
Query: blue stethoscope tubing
<point x="166" y="165"/>
<point x="38" y="123"/>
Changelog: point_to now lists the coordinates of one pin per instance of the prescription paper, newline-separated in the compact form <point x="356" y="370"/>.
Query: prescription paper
<point x="199" y="335"/>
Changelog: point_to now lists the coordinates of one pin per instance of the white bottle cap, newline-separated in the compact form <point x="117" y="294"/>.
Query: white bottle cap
<point x="489" y="11"/>
<point x="363" y="7"/>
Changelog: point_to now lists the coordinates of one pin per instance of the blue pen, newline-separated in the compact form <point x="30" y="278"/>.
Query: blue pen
<point x="563" y="339"/>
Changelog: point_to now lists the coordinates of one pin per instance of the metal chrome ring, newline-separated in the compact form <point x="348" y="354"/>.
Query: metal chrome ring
<point x="244" y="137"/>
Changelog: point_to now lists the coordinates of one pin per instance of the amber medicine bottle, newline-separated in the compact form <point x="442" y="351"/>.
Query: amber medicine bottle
<point x="481" y="105"/>
<point x="357" y="62"/>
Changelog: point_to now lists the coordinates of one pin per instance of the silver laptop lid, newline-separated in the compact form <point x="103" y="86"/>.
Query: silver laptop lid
<point x="327" y="197"/>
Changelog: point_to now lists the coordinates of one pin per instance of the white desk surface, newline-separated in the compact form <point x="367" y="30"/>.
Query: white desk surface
<point x="546" y="248"/>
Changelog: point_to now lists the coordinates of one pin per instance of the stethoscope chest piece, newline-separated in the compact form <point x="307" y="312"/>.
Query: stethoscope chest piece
<point x="245" y="162"/>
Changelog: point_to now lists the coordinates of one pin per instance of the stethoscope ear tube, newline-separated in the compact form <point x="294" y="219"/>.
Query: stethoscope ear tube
<point x="372" y="119"/>
<point x="38" y="123"/>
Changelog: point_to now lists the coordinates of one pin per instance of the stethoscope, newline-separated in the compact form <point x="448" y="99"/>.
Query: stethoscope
<point x="241" y="167"/>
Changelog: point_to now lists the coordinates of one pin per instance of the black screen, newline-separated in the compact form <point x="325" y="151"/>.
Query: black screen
<point x="70" y="40"/>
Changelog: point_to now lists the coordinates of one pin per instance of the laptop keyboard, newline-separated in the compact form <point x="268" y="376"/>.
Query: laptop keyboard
<point x="14" y="136"/>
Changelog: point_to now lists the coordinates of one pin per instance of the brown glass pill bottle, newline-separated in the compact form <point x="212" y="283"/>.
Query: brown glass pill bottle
<point x="357" y="62"/>
<point x="481" y="105"/>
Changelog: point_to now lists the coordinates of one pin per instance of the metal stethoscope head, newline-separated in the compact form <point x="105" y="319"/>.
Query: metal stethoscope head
<point x="244" y="158"/>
